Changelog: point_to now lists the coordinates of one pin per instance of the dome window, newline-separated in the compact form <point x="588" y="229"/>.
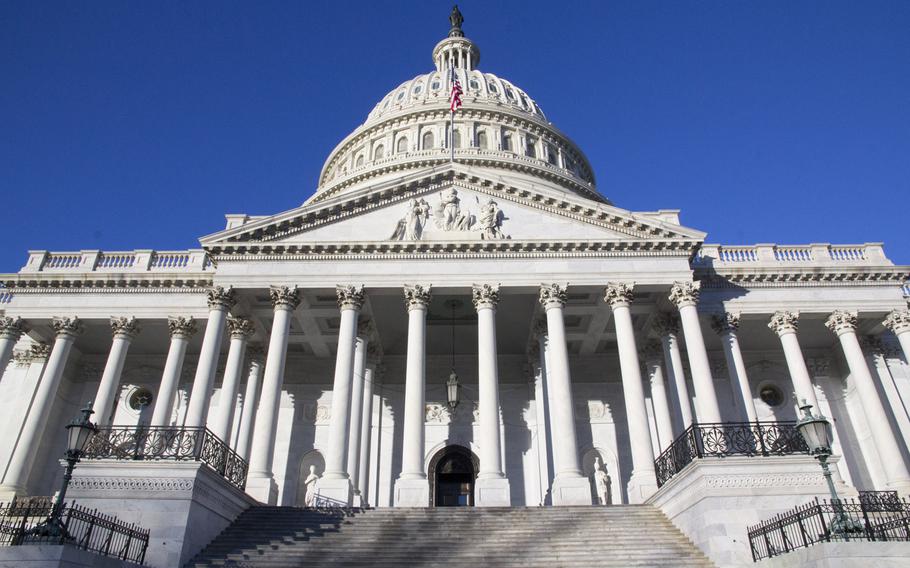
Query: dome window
<point x="456" y="139"/>
<point x="474" y="84"/>
<point x="531" y="148"/>
<point x="400" y="96"/>
<point x="493" y="88"/>
<point x="482" y="141"/>
<point x="428" y="141"/>
<point x="379" y="152"/>
<point x="435" y="85"/>
<point x="359" y="161"/>
<point x="510" y="95"/>
<point x="507" y="142"/>
<point x="417" y="88"/>
<point x="551" y="154"/>
<point x="402" y="145"/>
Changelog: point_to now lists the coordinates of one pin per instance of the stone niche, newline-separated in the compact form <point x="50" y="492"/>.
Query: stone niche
<point x="183" y="504"/>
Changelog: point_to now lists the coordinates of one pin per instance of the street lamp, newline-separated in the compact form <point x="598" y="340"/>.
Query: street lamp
<point x="78" y="433"/>
<point x="452" y="387"/>
<point x="816" y="431"/>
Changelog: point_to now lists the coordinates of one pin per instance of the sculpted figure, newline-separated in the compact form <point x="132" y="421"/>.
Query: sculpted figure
<point x="490" y="221"/>
<point x="310" y="484"/>
<point x="602" y="482"/>
<point x="449" y="216"/>
<point x="410" y="228"/>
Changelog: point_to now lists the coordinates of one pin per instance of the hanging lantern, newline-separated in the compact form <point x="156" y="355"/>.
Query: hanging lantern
<point x="452" y="387"/>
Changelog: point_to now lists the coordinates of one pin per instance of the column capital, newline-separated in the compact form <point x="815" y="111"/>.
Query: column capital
<point x="240" y="328"/>
<point x="374" y="353"/>
<point x="284" y="297"/>
<point x="485" y="296"/>
<point x="666" y="324"/>
<point x="67" y="326"/>
<point x="539" y="328"/>
<point x="365" y="329"/>
<point x="181" y="327"/>
<point x="350" y="296"/>
<point x="652" y="352"/>
<point x="35" y="352"/>
<point x="417" y="296"/>
<point x="12" y="328"/>
<point x="255" y="354"/>
<point x="619" y="294"/>
<point x="898" y="321"/>
<point x="685" y="293"/>
<point x="841" y="321"/>
<point x="124" y="327"/>
<point x="783" y="322"/>
<point x="728" y="322"/>
<point x="553" y="296"/>
<point x="220" y="298"/>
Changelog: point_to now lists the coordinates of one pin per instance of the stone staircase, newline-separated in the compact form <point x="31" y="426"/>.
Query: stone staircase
<point x="619" y="536"/>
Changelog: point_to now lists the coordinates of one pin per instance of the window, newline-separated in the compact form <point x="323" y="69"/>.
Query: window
<point x="435" y="85"/>
<point x="400" y="96"/>
<point x="456" y="139"/>
<point x="379" y="152"/>
<point x="417" y="88"/>
<point x="493" y="88"/>
<point x="507" y="142"/>
<point x="771" y="395"/>
<point x="402" y="145"/>
<point x="551" y="154"/>
<point x="482" y="141"/>
<point x="509" y="94"/>
<point x="359" y="161"/>
<point x="531" y="148"/>
<point x="427" y="140"/>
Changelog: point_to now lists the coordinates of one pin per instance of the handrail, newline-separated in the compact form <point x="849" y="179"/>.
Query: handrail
<point x="178" y="443"/>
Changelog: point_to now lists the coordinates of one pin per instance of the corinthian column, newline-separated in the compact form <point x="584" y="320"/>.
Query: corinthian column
<point x="366" y="429"/>
<point x="726" y="326"/>
<point x="570" y="487"/>
<point x="685" y="296"/>
<point x="181" y="330"/>
<point x="250" y="402"/>
<point x="843" y="324"/>
<point x="492" y="485"/>
<point x="785" y="325"/>
<point x="220" y="302"/>
<point x="260" y="481"/>
<point x="643" y="482"/>
<point x="357" y="390"/>
<point x="667" y="327"/>
<point x="335" y="483"/>
<point x="653" y="356"/>
<point x="898" y="322"/>
<point x="412" y="488"/>
<point x="124" y="330"/>
<point x="20" y="465"/>
<point x="240" y="329"/>
<point x="11" y="329"/>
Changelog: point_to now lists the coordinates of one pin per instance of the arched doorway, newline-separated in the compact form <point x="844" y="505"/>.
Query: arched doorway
<point x="452" y="473"/>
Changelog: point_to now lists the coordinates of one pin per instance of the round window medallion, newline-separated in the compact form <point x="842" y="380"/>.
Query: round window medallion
<point x="771" y="395"/>
<point x="140" y="399"/>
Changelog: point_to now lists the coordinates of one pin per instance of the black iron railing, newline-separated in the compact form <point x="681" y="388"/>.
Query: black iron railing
<point x="84" y="528"/>
<point x="883" y="518"/>
<point x="728" y="439"/>
<point x="168" y="443"/>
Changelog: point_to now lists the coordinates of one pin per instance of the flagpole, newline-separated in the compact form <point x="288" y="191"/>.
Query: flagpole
<point x="452" y="122"/>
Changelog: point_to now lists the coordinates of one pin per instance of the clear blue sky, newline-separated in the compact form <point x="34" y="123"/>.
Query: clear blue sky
<point x="140" y="124"/>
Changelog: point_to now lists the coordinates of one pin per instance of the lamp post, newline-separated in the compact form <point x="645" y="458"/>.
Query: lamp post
<point x="816" y="431"/>
<point x="78" y="433"/>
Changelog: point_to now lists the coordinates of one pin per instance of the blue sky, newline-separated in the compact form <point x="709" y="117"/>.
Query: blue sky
<point x="140" y="124"/>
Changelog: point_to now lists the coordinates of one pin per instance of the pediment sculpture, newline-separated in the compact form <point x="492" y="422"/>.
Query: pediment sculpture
<point x="449" y="216"/>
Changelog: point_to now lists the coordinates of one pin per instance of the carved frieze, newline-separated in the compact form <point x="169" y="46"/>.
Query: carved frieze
<point x="449" y="215"/>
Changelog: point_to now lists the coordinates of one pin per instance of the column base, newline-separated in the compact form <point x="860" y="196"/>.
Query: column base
<point x="642" y="485"/>
<point x="412" y="492"/>
<point x="334" y="492"/>
<point x="357" y="499"/>
<point x="10" y="492"/>
<point x="571" y="491"/>
<point x="902" y="487"/>
<point x="262" y="489"/>
<point x="492" y="492"/>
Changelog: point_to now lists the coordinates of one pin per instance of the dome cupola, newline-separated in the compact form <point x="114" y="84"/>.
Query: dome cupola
<point x="456" y="51"/>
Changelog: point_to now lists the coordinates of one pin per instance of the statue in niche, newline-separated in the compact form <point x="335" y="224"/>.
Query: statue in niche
<point x="448" y="214"/>
<point x="310" y="484"/>
<point x="490" y="221"/>
<point x="602" y="482"/>
<point x="410" y="227"/>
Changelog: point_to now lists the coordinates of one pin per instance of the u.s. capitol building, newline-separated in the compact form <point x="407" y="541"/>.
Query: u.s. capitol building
<point x="481" y="327"/>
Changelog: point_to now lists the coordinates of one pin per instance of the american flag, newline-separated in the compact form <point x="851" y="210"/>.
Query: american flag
<point x="455" y="97"/>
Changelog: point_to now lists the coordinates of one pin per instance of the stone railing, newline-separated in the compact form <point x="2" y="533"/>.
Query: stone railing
<point x="193" y="260"/>
<point x="771" y="255"/>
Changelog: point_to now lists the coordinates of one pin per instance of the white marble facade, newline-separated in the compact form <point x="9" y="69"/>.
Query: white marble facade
<point x="609" y="333"/>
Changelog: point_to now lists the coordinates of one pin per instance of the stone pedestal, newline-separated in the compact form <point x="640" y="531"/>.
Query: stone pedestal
<point x="183" y="504"/>
<point x="843" y="555"/>
<point x="492" y="492"/>
<point x="57" y="556"/>
<point x="714" y="500"/>
<point x="412" y="492"/>
<point x="334" y="492"/>
<point x="641" y="486"/>
<point x="262" y="489"/>
<point x="571" y="491"/>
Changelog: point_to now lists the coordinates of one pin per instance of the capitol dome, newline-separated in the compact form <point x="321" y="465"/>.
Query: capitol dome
<point x="500" y="127"/>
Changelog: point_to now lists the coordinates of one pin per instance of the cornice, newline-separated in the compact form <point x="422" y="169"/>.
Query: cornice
<point x="807" y="277"/>
<point x="93" y="284"/>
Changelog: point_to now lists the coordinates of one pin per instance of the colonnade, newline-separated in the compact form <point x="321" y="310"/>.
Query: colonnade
<point x="347" y="452"/>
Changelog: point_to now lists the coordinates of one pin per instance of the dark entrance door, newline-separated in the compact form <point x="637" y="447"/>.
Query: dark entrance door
<point x="454" y="478"/>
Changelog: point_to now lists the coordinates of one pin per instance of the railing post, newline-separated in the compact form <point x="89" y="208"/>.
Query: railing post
<point x="821" y="517"/>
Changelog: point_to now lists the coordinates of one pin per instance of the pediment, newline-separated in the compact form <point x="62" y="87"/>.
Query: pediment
<point x="451" y="206"/>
